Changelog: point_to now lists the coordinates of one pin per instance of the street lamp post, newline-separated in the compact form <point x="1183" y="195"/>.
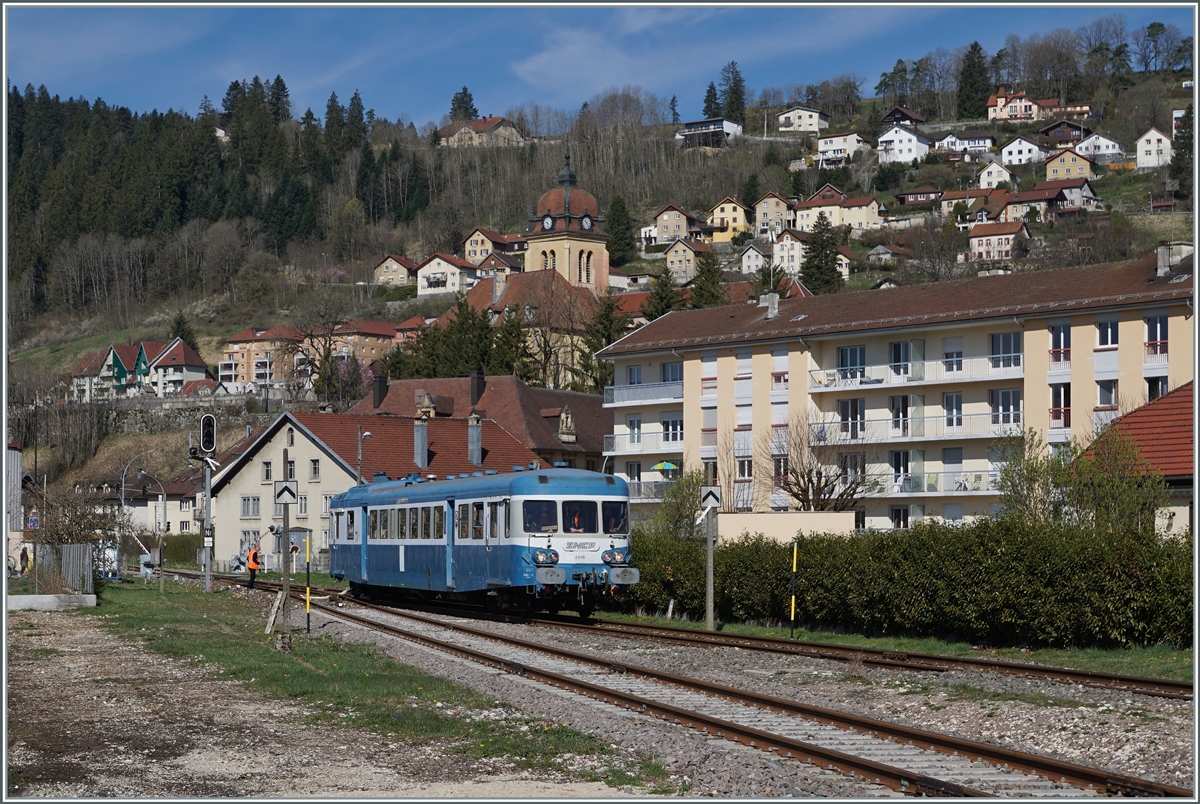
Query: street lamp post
<point x="123" y="473"/>
<point x="160" y="527"/>
<point x="361" y="438"/>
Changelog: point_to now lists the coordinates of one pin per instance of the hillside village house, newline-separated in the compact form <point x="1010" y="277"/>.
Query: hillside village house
<point x="483" y="132"/>
<point x="481" y="242"/>
<point x="1022" y="151"/>
<point x="902" y="144"/>
<point x="837" y="149"/>
<point x="995" y="241"/>
<point x="789" y="250"/>
<point x="729" y="217"/>
<point x="142" y="369"/>
<point x="275" y="357"/>
<point x="925" y="194"/>
<point x="906" y="398"/>
<point x="1019" y="106"/>
<point x="322" y="457"/>
<point x="713" y="132"/>
<point x="1077" y="193"/>
<point x="755" y="256"/>
<point x="500" y="263"/>
<point x="681" y="258"/>
<point x="1068" y="165"/>
<point x="840" y="209"/>
<point x="802" y="119"/>
<point x="974" y="142"/>
<point x="899" y="116"/>
<point x="445" y="273"/>
<point x="671" y="222"/>
<point x="993" y="174"/>
<point x="1100" y="148"/>
<point x="772" y="214"/>
<point x="1065" y="131"/>
<point x="888" y="255"/>
<point x="1041" y="205"/>
<point x="395" y="269"/>
<point x="1153" y="150"/>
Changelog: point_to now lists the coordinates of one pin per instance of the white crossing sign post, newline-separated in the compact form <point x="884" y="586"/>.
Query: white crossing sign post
<point x="286" y="492"/>
<point x="710" y="496"/>
<point x="710" y="499"/>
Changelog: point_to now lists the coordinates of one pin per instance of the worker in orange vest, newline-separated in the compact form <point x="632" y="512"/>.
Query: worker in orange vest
<point x="252" y="564"/>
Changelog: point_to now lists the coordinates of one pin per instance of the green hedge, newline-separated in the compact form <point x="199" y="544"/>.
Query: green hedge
<point x="181" y="549"/>
<point x="988" y="581"/>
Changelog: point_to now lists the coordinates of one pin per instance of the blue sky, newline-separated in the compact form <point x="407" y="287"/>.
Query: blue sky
<point x="408" y="61"/>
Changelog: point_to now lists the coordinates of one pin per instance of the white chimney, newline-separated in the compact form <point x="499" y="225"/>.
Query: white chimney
<point x="772" y="305"/>
<point x="1164" y="259"/>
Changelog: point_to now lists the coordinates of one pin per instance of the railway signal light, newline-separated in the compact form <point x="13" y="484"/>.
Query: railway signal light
<point x="208" y="433"/>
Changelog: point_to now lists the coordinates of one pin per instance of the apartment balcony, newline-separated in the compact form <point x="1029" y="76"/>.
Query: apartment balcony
<point x="956" y="370"/>
<point x="640" y="443"/>
<point x="1156" y="352"/>
<point x="1060" y="418"/>
<point x="1060" y="360"/>
<point x="649" y="491"/>
<point x="643" y="393"/>
<point x="972" y="425"/>
<point x="888" y="484"/>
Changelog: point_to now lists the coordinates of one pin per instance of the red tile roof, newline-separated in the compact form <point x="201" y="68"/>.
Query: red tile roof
<point x="405" y="262"/>
<point x="997" y="229"/>
<point x="1063" y="152"/>
<point x="632" y="303"/>
<point x="971" y="299"/>
<point x="553" y="299"/>
<point x="90" y="364"/>
<point x="193" y="387"/>
<point x="1163" y="431"/>
<point x="382" y="329"/>
<point x="479" y="124"/>
<point x="508" y="401"/>
<point x="179" y="354"/>
<point x="272" y="334"/>
<point x="694" y="245"/>
<point x="668" y="207"/>
<point x="1061" y="184"/>
<point x="416" y="322"/>
<point x="453" y="259"/>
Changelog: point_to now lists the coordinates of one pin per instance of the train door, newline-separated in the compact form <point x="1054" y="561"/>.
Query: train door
<point x="364" y="534"/>
<point x="445" y="529"/>
<point x="495" y="529"/>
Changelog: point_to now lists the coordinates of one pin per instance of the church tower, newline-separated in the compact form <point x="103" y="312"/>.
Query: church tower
<point x="566" y="234"/>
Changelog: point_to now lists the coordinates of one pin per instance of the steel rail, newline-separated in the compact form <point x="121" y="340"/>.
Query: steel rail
<point x="1064" y="772"/>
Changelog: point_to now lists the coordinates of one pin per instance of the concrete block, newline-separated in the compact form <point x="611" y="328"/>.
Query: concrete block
<point x="50" y="602"/>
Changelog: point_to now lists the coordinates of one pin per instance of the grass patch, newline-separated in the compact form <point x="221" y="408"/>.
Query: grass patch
<point x="345" y="684"/>
<point x="42" y="653"/>
<point x="965" y="692"/>
<point x="1159" y="661"/>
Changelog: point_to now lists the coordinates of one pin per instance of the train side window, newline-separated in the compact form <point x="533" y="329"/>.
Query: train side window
<point x="350" y="526"/>
<point x="401" y="523"/>
<point x="339" y="526"/>
<point x="616" y="517"/>
<point x="504" y="527"/>
<point x="425" y="523"/>
<point x="494" y="515"/>
<point x="439" y="522"/>
<point x="464" y="521"/>
<point x="540" y="516"/>
<point x="477" y="520"/>
<point x="579" y="516"/>
<point x="385" y="524"/>
<point x="373" y="525"/>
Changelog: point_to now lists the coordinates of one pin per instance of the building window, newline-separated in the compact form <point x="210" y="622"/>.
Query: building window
<point x="952" y="354"/>
<point x="250" y="507"/>
<point x="266" y="470"/>
<point x="634" y="425"/>
<point x="900" y="355"/>
<point x="952" y="404"/>
<point x="185" y="526"/>
<point x="779" y="470"/>
<point x="278" y="509"/>
<point x="290" y="471"/>
<point x="852" y="417"/>
<point x="710" y="473"/>
<point x="672" y="372"/>
<point x="1060" y="406"/>
<point x="672" y="425"/>
<point x="291" y="435"/>
<point x="1156" y="339"/>
<point x="314" y="469"/>
<point x="1006" y="406"/>
<point x="1106" y="334"/>
<point x="1106" y="394"/>
<point x="326" y="499"/>
<point x="185" y="504"/>
<point x="634" y="374"/>
<point x="1006" y="350"/>
<point x="852" y="361"/>
<point x="1060" y="345"/>
<point x="1155" y="387"/>
<point x="633" y="471"/>
<point x="302" y="505"/>
<point x="899" y="517"/>
<point x="898" y="405"/>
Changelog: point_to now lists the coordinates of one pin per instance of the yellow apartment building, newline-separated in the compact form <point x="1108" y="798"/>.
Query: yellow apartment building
<point x="729" y="217"/>
<point x="902" y="392"/>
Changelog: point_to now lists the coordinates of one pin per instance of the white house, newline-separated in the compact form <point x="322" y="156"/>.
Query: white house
<point x="649" y="235"/>
<point x="755" y="256"/>
<point x="1022" y="150"/>
<point x="789" y="250"/>
<point x="902" y="144"/>
<point x="801" y="118"/>
<point x="1153" y="150"/>
<point x="836" y="149"/>
<point x="1099" y="147"/>
<point x="445" y="273"/>
<point x="974" y="142"/>
<point x="1078" y="192"/>
<point x="993" y="174"/>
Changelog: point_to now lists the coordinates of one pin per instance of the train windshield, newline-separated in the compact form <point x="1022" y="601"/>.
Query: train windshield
<point x="616" y="517"/>
<point x="541" y="516"/>
<point x="579" y="516"/>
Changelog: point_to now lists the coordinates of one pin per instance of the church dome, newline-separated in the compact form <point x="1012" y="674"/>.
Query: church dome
<point x="567" y="207"/>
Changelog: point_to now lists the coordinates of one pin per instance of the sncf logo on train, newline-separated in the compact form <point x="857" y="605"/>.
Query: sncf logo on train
<point x="579" y="546"/>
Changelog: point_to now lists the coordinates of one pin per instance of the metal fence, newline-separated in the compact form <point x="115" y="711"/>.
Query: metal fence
<point x="58" y="570"/>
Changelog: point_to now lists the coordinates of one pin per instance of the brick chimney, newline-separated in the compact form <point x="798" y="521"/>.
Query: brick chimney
<point x="380" y="387"/>
<point x="478" y="383"/>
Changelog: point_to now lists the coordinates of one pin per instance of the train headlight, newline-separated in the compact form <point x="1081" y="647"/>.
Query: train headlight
<point x="545" y="557"/>
<point x="614" y="557"/>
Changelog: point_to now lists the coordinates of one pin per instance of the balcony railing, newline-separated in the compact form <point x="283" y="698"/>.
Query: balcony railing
<point x="972" y="368"/>
<point x="643" y="442"/>
<point x="648" y="491"/>
<point x="1156" y="352"/>
<point x="1060" y="418"/>
<point x="1060" y="359"/>
<point x="944" y="426"/>
<point x="643" y="392"/>
<point x="956" y="482"/>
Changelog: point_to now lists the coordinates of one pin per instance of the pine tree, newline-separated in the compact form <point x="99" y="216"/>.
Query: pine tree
<point x="750" y="190"/>
<point x="733" y="94"/>
<point x="606" y="327"/>
<point x="770" y="279"/>
<point x="232" y="100"/>
<point x="664" y="296"/>
<point x="620" y="232"/>
<point x="712" y="102"/>
<point x="708" y="287"/>
<point x="820" y="272"/>
<point x="462" y="106"/>
<point x="510" y="348"/>
<point x="335" y="122"/>
<point x="973" y="86"/>
<point x="1182" y="160"/>
<point x="180" y="328"/>
<point x="279" y="99"/>
<point x="356" y="126"/>
<point x="673" y="106"/>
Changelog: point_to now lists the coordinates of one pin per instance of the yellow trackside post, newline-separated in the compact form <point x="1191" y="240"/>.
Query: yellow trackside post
<point x="795" y="548"/>
<point x="307" y="587"/>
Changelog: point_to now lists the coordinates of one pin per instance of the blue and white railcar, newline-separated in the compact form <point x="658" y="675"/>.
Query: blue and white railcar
<point x="551" y="538"/>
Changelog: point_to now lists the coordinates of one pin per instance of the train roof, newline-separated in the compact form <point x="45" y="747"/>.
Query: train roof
<point x="528" y="482"/>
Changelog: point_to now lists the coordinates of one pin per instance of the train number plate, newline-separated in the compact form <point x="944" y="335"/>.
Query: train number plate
<point x="581" y="557"/>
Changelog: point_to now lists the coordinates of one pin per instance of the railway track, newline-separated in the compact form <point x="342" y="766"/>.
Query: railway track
<point x="868" y="657"/>
<point x="908" y="760"/>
